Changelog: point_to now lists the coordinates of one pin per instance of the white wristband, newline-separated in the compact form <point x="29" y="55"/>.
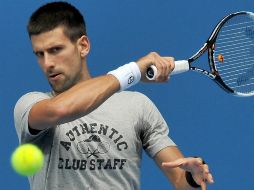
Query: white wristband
<point x="127" y="75"/>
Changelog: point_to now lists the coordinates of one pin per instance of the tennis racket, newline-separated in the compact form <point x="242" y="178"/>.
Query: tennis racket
<point x="230" y="50"/>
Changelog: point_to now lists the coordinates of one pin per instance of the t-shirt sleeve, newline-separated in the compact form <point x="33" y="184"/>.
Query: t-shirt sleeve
<point x="155" y="135"/>
<point x="21" y="112"/>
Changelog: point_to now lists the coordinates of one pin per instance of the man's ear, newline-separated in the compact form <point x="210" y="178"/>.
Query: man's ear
<point x="83" y="45"/>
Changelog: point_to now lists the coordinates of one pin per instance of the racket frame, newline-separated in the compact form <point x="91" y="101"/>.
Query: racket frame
<point x="209" y="46"/>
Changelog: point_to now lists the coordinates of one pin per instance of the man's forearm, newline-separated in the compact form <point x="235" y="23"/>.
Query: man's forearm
<point x="78" y="101"/>
<point x="86" y="96"/>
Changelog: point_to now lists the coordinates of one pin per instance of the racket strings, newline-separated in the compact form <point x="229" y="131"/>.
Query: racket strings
<point x="237" y="23"/>
<point x="234" y="53"/>
<point x="235" y="33"/>
<point x="232" y="56"/>
<point x="238" y="39"/>
<point x="238" y="56"/>
<point x="230" y="79"/>
<point x="236" y="69"/>
<point x="239" y="50"/>
<point x="236" y="60"/>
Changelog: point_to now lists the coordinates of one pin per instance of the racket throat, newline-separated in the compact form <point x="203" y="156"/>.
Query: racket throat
<point x="202" y="71"/>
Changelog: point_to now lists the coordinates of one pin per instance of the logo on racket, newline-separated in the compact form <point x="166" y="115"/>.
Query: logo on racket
<point x="244" y="78"/>
<point x="252" y="50"/>
<point x="220" y="58"/>
<point x="249" y="31"/>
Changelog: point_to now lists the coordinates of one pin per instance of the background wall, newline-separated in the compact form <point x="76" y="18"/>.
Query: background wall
<point x="203" y="119"/>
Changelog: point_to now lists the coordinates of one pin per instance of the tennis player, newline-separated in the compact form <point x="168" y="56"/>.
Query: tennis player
<point x="91" y="131"/>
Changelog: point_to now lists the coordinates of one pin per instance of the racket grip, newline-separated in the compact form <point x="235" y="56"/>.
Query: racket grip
<point x="180" y="67"/>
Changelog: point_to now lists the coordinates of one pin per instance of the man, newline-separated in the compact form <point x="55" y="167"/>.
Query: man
<point x="91" y="131"/>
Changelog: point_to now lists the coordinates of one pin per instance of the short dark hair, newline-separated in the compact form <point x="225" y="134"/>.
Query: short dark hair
<point x="55" y="14"/>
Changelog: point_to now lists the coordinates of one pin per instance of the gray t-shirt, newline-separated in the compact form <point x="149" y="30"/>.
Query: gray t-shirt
<point x="101" y="150"/>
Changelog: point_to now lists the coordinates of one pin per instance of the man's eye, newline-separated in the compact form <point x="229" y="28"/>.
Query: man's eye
<point x="39" y="54"/>
<point x="55" y="50"/>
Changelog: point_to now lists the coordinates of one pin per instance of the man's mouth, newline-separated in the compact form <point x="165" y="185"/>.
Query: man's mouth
<point x="54" y="76"/>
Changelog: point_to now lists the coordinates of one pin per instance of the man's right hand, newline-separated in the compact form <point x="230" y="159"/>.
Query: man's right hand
<point x="164" y="65"/>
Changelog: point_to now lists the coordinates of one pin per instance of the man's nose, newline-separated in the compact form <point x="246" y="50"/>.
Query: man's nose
<point x="48" y="61"/>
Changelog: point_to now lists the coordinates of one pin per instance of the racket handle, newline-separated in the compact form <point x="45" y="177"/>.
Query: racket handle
<point x="180" y="67"/>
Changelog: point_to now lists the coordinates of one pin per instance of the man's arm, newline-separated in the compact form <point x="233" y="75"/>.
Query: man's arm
<point x="73" y="103"/>
<point x="174" y="165"/>
<point x="87" y="95"/>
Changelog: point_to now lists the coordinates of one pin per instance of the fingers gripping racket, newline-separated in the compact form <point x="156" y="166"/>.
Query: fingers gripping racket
<point x="230" y="55"/>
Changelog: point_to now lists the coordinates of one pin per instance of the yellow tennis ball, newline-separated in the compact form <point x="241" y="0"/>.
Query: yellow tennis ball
<point x="27" y="159"/>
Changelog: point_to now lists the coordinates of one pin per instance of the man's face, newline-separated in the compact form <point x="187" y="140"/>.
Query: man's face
<point x="60" y="59"/>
